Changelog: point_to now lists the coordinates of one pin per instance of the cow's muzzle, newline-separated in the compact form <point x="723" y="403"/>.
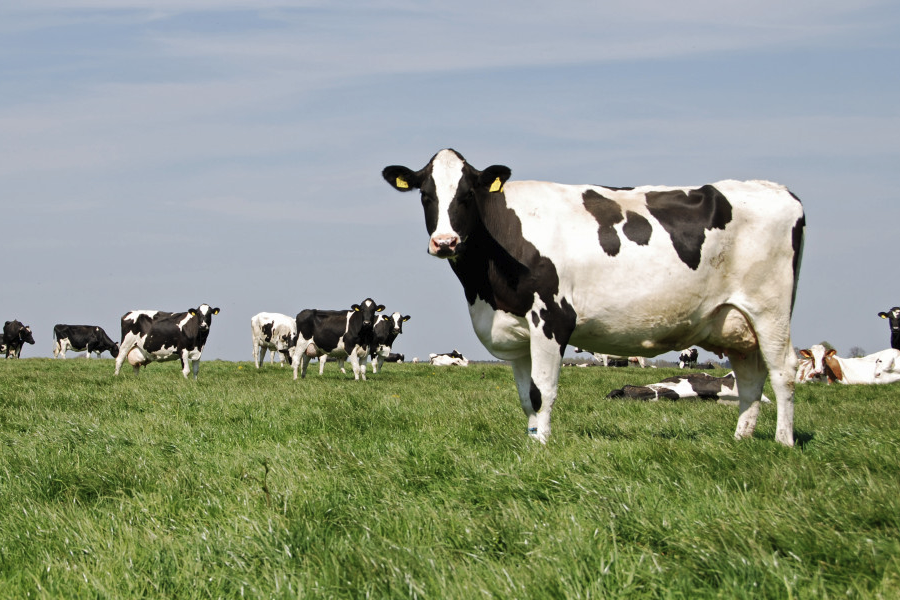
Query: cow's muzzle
<point x="443" y="246"/>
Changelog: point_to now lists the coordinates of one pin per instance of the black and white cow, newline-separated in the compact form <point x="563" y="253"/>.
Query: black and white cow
<point x="275" y="332"/>
<point x="636" y="271"/>
<point x="341" y="334"/>
<point x="448" y="359"/>
<point x="692" y="385"/>
<point x="394" y="358"/>
<point x="15" y="335"/>
<point x="688" y="358"/>
<point x="82" y="338"/>
<point x="893" y="317"/>
<point x="154" y="335"/>
<point x="385" y="333"/>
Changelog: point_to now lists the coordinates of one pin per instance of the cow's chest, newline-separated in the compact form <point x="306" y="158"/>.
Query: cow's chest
<point x="503" y="334"/>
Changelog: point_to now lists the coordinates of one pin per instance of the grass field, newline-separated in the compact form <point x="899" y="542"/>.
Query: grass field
<point x="421" y="483"/>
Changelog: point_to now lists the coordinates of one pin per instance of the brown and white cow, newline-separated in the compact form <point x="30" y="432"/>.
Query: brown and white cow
<point x="878" y="368"/>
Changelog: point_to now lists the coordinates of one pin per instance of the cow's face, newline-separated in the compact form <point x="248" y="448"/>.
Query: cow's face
<point x="114" y="351"/>
<point x="205" y="314"/>
<point x="450" y="190"/>
<point x="367" y="309"/>
<point x="397" y="323"/>
<point x="817" y="354"/>
<point x="26" y="336"/>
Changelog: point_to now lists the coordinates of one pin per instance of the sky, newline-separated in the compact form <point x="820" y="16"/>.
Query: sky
<point x="162" y="154"/>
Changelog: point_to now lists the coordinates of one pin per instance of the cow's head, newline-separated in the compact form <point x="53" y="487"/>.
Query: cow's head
<point x="893" y="315"/>
<point x="450" y="190"/>
<point x="205" y="314"/>
<point x="824" y="362"/>
<point x="26" y="336"/>
<point x="114" y="350"/>
<point x="367" y="309"/>
<point x="397" y="321"/>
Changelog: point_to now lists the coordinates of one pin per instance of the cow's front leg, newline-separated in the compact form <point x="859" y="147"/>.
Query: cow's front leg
<point x="359" y="370"/>
<point x="537" y="377"/>
<point x="322" y="360"/>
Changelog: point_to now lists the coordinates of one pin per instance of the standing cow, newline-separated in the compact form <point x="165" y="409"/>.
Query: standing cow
<point x="275" y="332"/>
<point x="15" y="335"/>
<point x="893" y="317"/>
<point x="342" y="334"/>
<point x="153" y="335"/>
<point x="688" y="358"/>
<point x="622" y="271"/>
<point x="384" y="335"/>
<point x="82" y="338"/>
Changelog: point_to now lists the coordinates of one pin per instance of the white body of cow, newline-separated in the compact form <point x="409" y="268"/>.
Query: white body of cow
<point x="878" y="368"/>
<point x="637" y="271"/>
<point x="445" y="360"/>
<point x="275" y="332"/>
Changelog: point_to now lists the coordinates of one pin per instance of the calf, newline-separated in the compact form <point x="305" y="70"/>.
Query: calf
<point x="880" y="367"/>
<point x="152" y="335"/>
<point x="275" y="332"/>
<point x="342" y="334"/>
<point x="82" y="338"/>
<point x="693" y="385"/>
<point x="449" y="359"/>
<point x="385" y="333"/>
<point x="627" y="271"/>
<point x="893" y="317"/>
<point x="688" y="358"/>
<point x="15" y="335"/>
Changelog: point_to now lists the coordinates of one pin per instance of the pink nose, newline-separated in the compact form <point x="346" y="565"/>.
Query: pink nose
<point x="443" y="245"/>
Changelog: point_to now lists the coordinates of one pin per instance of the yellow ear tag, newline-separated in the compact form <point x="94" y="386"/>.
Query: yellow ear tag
<point x="497" y="186"/>
<point x="401" y="183"/>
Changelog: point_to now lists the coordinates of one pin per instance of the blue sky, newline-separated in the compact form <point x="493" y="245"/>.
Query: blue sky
<point x="165" y="154"/>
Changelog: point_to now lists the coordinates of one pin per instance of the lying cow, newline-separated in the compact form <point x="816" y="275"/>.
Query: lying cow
<point x="341" y="334"/>
<point x="692" y="385"/>
<point x="275" y="332"/>
<point x="688" y="358"/>
<point x="15" y="335"/>
<point x="627" y="271"/>
<point x="82" y="338"/>
<point x="154" y="335"/>
<point x="880" y="367"/>
<point x="612" y="360"/>
<point x="449" y="359"/>
<point x="893" y="317"/>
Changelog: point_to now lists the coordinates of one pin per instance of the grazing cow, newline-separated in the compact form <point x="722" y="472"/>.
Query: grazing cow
<point x="880" y="367"/>
<point x="636" y="271"/>
<point x="82" y="338"/>
<point x="449" y="359"/>
<point x="15" y="335"/>
<point x="693" y="385"/>
<point x="275" y="332"/>
<point x="893" y="317"/>
<point x="341" y="334"/>
<point x="385" y="332"/>
<point x="688" y="358"/>
<point x="153" y="335"/>
<point x="394" y="358"/>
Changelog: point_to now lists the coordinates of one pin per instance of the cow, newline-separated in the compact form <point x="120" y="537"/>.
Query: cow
<point x="692" y="385"/>
<point x="893" y="317"/>
<point x="153" y="335"/>
<point x="385" y="333"/>
<point x="342" y="334"/>
<point x="394" y="358"/>
<point x="688" y="358"/>
<point x="448" y="359"/>
<point x="627" y="271"/>
<point x="878" y="368"/>
<point x="15" y="335"/>
<point x="82" y="338"/>
<point x="275" y="332"/>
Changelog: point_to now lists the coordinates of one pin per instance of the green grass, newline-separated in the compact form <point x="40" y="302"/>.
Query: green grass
<point x="421" y="483"/>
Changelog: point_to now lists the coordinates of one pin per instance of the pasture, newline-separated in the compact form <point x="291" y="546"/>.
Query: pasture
<point x="421" y="483"/>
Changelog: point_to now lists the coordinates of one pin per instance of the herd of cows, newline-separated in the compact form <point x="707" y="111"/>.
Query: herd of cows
<point x="631" y="272"/>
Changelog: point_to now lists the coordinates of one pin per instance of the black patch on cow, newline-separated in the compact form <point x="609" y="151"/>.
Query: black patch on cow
<point x="535" y="318"/>
<point x="267" y="330"/>
<point x="668" y="394"/>
<point x="535" y="394"/>
<point x="633" y="392"/>
<point x="797" y="244"/>
<point x="637" y="228"/>
<point x="687" y="216"/>
<point x="608" y="213"/>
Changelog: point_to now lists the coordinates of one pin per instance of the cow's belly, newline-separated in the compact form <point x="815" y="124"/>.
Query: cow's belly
<point x="503" y="334"/>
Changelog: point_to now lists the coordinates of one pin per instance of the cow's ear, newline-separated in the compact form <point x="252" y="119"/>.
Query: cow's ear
<point x="355" y="307"/>
<point x="401" y="178"/>
<point x="882" y="315"/>
<point x="406" y="318"/>
<point x="494" y="177"/>
<point x="831" y="352"/>
<point x="192" y="311"/>
<point x="215" y="311"/>
<point x="380" y="308"/>
<point x="806" y="353"/>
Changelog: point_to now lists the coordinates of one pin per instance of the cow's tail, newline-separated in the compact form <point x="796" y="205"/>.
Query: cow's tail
<point x="798" y="236"/>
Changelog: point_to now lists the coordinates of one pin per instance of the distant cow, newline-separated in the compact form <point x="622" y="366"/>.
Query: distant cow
<point x="693" y="385"/>
<point x="153" y="335"/>
<point x="15" y="335"/>
<point x="893" y="317"/>
<point x="341" y="334"/>
<point x="878" y="368"/>
<point x="394" y="358"/>
<point x="612" y="360"/>
<point x="386" y="330"/>
<point x="688" y="358"/>
<point x="82" y="338"/>
<point x="275" y="332"/>
<point x="449" y="359"/>
<point x="625" y="271"/>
